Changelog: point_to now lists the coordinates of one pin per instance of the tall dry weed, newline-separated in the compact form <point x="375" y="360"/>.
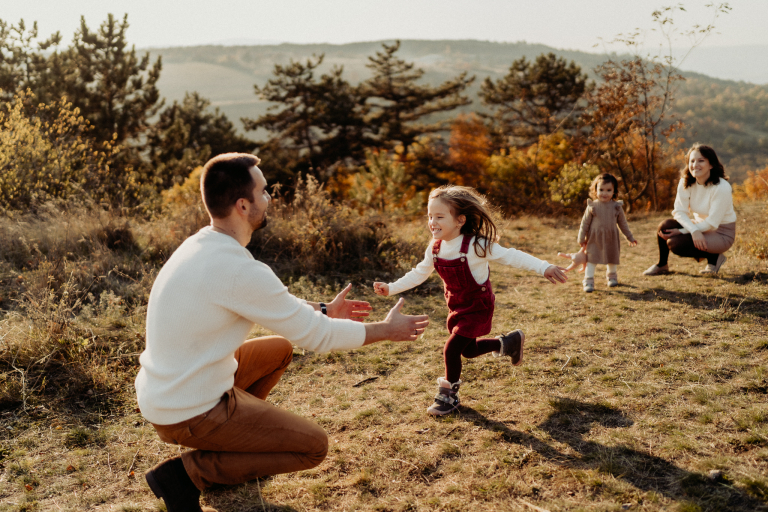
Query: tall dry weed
<point x="59" y="270"/>
<point x="312" y="236"/>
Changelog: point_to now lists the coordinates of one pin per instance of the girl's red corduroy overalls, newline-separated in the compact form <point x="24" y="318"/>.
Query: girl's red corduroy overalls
<point x="470" y="304"/>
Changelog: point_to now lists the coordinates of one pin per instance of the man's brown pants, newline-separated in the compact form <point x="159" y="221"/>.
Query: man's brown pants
<point x="243" y="437"/>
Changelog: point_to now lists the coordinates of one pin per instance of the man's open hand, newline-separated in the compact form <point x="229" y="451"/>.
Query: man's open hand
<point x="396" y="326"/>
<point x="341" y="307"/>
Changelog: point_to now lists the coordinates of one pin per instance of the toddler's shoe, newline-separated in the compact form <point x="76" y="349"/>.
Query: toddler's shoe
<point x="655" y="270"/>
<point x="589" y="284"/>
<point x="714" y="269"/>
<point x="613" y="280"/>
<point x="512" y="346"/>
<point x="447" y="398"/>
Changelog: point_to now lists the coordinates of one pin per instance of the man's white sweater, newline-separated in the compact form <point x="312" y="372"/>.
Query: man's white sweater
<point x="203" y="304"/>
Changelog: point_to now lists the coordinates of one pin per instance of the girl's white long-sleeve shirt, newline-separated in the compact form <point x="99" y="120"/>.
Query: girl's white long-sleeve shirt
<point x="711" y="206"/>
<point x="203" y="304"/>
<point x="449" y="250"/>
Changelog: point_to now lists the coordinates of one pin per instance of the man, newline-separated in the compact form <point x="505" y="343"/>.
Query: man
<point x="201" y="385"/>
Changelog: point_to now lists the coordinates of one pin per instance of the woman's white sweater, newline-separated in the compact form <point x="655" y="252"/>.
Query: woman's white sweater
<point x="203" y="304"/>
<point x="711" y="206"/>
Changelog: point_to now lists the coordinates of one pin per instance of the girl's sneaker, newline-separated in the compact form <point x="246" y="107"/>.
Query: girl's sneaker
<point x="613" y="280"/>
<point x="447" y="399"/>
<point x="589" y="284"/>
<point x="512" y="346"/>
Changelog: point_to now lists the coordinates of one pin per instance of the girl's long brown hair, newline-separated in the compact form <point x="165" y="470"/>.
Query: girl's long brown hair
<point x="474" y="206"/>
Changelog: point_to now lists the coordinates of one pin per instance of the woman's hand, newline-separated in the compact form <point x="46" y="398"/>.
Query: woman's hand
<point x="381" y="288"/>
<point x="699" y="240"/>
<point x="348" y="309"/>
<point x="666" y="235"/>
<point x="555" y="274"/>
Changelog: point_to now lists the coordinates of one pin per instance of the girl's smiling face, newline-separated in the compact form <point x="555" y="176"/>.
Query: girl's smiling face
<point x="699" y="167"/>
<point x="604" y="191"/>
<point x="441" y="222"/>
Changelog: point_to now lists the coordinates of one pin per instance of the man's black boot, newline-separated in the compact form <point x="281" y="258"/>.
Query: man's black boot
<point x="170" y="482"/>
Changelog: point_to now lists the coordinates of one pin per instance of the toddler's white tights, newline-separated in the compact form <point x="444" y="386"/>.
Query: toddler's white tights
<point x="590" y="272"/>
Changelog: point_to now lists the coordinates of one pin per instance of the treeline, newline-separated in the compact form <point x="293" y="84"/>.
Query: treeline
<point x="88" y="119"/>
<point x="733" y="116"/>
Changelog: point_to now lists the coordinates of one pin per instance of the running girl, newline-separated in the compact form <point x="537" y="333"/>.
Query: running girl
<point x="463" y="242"/>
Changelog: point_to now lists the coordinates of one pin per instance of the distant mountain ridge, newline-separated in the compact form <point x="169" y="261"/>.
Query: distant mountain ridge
<point x="226" y="75"/>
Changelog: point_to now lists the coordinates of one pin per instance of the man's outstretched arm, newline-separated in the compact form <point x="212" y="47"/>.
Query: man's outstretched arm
<point x="396" y="326"/>
<point x="344" y="308"/>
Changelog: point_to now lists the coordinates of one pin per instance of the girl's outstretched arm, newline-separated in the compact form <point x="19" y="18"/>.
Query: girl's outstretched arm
<point x="381" y="288"/>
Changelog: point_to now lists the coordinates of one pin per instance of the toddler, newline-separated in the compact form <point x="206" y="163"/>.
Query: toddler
<point x="598" y="232"/>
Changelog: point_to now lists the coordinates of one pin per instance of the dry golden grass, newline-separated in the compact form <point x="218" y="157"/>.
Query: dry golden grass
<point x="649" y="396"/>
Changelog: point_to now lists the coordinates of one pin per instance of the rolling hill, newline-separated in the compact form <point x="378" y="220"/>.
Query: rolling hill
<point x="729" y="115"/>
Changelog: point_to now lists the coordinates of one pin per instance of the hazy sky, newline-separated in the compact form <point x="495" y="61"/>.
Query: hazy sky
<point x="565" y="24"/>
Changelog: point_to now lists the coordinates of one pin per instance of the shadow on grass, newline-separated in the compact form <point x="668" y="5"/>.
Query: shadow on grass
<point x="704" y="301"/>
<point x="569" y="423"/>
<point x="244" y="498"/>
<point x="749" y="277"/>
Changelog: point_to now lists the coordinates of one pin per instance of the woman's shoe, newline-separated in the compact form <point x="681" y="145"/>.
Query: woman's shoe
<point x="714" y="269"/>
<point x="655" y="270"/>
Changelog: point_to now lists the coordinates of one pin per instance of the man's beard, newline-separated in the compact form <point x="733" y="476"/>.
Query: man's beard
<point x="256" y="225"/>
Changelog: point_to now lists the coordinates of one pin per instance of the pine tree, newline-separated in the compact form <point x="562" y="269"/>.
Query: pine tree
<point x="115" y="89"/>
<point x="536" y="98"/>
<point x="400" y="108"/>
<point x="27" y="63"/>
<point x="315" y="122"/>
<point x="186" y="135"/>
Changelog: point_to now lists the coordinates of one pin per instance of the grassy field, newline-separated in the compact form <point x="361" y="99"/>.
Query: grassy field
<point x="649" y="396"/>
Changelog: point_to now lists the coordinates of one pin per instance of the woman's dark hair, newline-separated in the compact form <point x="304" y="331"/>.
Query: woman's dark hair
<point x="715" y="173"/>
<point x="474" y="206"/>
<point x="604" y="178"/>
<point x="225" y="179"/>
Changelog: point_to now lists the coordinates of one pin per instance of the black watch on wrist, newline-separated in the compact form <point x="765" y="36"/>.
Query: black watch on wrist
<point x="324" y="308"/>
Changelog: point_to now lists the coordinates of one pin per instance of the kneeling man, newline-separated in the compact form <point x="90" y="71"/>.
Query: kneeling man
<point x="201" y="384"/>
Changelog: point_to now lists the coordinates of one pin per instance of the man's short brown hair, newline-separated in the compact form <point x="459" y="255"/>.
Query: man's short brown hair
<point x="225" y="179"/>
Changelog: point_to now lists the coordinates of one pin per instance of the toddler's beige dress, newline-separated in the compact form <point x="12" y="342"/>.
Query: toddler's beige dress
<point x="599" y="229"/>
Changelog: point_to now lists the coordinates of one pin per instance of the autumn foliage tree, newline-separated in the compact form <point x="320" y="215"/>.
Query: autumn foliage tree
<point x="470" y="147"/>
<point x="629" y="133"/>
<point x="518" y="180"/>
<point x="631" y="118"/>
